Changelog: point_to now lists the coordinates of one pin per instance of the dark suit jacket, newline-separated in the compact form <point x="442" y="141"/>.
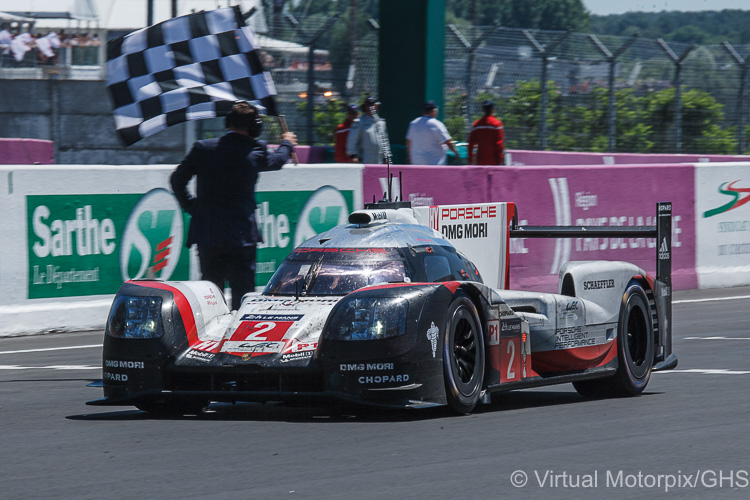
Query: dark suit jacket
<point x="223" y="210"/>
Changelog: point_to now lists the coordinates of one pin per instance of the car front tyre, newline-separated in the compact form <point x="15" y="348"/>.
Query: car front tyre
<point x="463" y="355"/>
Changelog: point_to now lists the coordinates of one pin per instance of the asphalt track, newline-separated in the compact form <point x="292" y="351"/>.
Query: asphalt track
<point x="686" y="437"/>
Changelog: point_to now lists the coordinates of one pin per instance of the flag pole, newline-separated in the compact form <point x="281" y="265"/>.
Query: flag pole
<point x="285" y="128"/>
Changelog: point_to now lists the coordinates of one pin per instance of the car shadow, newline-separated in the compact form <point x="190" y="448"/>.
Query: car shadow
<point x="350" y="412"/>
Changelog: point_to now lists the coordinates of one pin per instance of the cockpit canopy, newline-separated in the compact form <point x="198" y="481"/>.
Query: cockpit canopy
<point x="339" y="271"/>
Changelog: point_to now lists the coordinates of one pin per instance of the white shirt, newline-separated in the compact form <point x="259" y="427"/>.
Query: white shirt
<point x="428" y="137"/>
<point x="5" y="40"/>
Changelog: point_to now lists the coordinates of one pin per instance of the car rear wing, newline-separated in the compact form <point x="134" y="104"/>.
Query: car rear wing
<point x="662" y="231"/>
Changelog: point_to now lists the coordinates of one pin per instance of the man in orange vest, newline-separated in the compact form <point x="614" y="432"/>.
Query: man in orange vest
<point x="488" y="137"/>
<point x="342" y="135"/>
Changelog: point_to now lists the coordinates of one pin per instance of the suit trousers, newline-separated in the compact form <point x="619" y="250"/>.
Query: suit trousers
<point x="235" y="265"/>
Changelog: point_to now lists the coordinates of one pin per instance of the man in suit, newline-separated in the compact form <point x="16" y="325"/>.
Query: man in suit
<point x="223" y="209"/>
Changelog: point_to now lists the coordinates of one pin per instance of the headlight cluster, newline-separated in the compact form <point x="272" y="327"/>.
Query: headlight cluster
<point x="368" y="319"/>
<point x="135" y="318"/>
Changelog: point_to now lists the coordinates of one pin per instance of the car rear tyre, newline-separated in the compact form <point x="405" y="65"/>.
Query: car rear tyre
<point x="635" y="343"/>
<point x="635" y="350"/>
<point x="463" y="355"/>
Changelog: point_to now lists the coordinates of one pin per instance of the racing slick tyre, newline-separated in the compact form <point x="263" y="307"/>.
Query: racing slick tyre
<point x="635" y="350"/>
<point x="172" y="408"/>
<point x="635" y="342"/>
<point x="463" y="355"/>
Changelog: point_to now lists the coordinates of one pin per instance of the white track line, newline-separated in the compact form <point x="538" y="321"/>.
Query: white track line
<point x="716" y="338"/>
<point x="50" y="367"/>
<point x="692" y="301"/>
<point x="52" y="349"/>
<point x="708" y="372"/>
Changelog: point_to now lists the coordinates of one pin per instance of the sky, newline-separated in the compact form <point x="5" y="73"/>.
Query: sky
<point x="132" y="13"/>
<point x="605" y="7"/>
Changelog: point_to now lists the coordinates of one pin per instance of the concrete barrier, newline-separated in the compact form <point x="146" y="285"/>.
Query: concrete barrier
<point x="72" y="234"/>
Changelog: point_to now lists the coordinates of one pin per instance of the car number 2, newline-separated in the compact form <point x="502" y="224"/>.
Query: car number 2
<point x="261" y="331"/>
<point x="510" y="361"/>
<point x="261" y="328"/>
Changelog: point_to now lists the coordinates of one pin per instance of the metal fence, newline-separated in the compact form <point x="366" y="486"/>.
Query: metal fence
<point x="602" y="93"/>
<point x="668" y="97"/>
<point x="553" y="90"/>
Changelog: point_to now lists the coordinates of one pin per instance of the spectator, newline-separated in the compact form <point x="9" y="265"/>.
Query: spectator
<point x="223" y="210"/>
<point x="342" y="135"/>
<point x="367" y="135"/>
<point x="427" y="139"/>
<point x="488" y="137"/>
<point x="5" y="40"/>
<point x="20" y="45"/>
<point x="45" y="46"/>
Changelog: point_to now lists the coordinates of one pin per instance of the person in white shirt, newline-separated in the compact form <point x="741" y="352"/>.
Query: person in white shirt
<point x="427" y="139"/>
<point x="5" y="40"/>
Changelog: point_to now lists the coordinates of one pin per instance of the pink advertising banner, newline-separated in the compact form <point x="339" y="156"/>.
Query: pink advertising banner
<point x="577" y="195"/>
<point x="597" y="196"/>
<point x="429" y="185"/>
<point x="26" y="152"/>
<point x="523" y="157"/>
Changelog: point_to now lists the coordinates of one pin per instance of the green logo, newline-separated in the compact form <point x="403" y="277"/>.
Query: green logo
<point x="152" y="240"/>
<point x="82" y="245"/>
<point x="737" y="199"/>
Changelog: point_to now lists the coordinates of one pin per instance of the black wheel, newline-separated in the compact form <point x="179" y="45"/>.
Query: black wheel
<point x="635" y="350"/>
<point x="635" y="343"/>
<point x="463" y="355"/>
<point x="172" y="408"/>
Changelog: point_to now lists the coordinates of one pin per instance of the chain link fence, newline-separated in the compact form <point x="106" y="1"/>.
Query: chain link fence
<point x="647" y="113"/>
<point x="552" y="90"/>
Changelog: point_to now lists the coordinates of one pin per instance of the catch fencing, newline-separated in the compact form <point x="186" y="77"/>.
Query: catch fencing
<point x="668" y="97"/>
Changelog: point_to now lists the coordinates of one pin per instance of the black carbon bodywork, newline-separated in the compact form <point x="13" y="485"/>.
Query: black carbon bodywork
<point x="399" y="371"/>
<point x="132" y="367"/>
<point x="402" y="371"/>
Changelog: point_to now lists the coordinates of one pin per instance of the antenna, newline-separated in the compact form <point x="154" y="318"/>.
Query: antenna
<point x="400" y="186"/>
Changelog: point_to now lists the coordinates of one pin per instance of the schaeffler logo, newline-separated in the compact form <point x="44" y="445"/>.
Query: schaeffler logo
<point x="325" y="209"/>
<point x="739" y="196"/>
<point x="152" y="239"/>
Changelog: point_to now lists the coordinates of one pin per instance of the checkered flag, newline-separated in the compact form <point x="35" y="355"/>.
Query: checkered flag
<point x="186" y="68"/>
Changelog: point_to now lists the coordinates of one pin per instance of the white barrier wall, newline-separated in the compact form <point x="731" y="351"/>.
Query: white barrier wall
<point x="72" y="234"/>
<point x="722" y="218"/>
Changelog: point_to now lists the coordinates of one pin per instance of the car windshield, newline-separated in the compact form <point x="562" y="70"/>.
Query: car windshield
<point x="333" y="274"/>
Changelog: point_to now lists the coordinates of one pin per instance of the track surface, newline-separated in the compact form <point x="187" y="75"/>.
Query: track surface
<point x="690" y="428"/>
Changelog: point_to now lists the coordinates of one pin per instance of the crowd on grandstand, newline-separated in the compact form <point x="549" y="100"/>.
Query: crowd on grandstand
<point x="15" y="46"/>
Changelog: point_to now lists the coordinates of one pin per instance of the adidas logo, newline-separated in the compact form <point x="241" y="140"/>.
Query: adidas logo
<point x="664" y="250"/>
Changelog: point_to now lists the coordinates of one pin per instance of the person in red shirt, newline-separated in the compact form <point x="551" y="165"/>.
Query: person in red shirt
<point x="342" y="135"/>
<point x="488" y="137"/>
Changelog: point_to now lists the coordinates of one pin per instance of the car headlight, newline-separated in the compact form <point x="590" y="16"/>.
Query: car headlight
<point x="368" y="319"/>
<point x="135" y="318"/>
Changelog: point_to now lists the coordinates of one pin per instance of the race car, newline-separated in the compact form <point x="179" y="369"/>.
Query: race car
<point x="388" y="311"/>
